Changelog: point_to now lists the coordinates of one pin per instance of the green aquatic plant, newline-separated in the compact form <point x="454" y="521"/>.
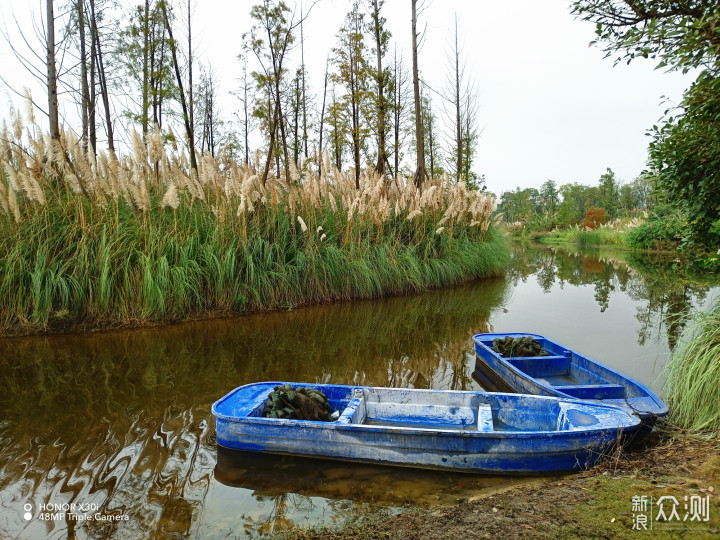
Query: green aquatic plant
<point x="693" y="382"/>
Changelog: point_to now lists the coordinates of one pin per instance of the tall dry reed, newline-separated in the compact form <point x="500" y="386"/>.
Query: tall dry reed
<point x="99" y="237"/>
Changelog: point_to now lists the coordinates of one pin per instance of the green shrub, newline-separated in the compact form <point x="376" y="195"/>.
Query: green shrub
<point x="664" y="230"/>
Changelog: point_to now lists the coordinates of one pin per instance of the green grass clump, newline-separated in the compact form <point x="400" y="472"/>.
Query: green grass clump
<point x="693" y="382"/>
<point x="97" y="239"/>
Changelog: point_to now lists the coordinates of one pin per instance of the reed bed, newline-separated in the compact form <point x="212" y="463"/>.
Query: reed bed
<point x="692" y="385"/>
<point x="96" y="238"/>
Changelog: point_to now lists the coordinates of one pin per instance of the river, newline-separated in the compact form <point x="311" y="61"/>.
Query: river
<point x="118" y="423"/>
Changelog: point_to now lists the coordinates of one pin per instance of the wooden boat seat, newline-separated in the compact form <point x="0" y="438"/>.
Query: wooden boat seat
<point x="593" y="391"/>
<point x="485" y="419"/>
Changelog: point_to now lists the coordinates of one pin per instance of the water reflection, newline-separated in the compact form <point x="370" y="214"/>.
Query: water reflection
<point x="122" y="420"/>
<point x="665" y="295"/>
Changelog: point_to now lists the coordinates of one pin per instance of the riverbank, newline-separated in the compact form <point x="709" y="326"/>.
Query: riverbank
<point x="94" y="241"/>
<point x="594" y="504"/>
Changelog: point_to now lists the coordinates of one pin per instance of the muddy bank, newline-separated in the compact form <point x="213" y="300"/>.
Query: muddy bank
<point x="594" y="504"/>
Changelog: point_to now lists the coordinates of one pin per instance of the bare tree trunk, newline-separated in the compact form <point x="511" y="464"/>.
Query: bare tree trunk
<point x="381" y="106"/>
<point x="183" y="102"/>
<point x="146" y="74"/>
<point x="271" y="145"/>
<point x="304" y="87"/>
<point x="85" y="91"/>
<point x="397" y="112"/>
<point x="101" y="77"/>
<point x="322" y="118"/>
<point x="190" y="72"/>
<point x="458" y="122"/>
<point x="296" y="126"/>
<point x="245" y="110"/>
<point x="419" y="138"/>
<point x="93" y="89"/>
<point x="52" y="74"/>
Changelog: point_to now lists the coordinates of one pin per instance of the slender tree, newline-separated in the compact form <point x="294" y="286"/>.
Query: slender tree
<point x="353" y="74"/>
<point x="399" y="107"/>
<point x="99" y="65"/>
<point x="270" y="39"/>
<point x="382" y="105"/>
<point x="53" y="111"/>
<point x="419" y="135"/>
<point x="183" y="100"/>
<point x="322" y="119"/>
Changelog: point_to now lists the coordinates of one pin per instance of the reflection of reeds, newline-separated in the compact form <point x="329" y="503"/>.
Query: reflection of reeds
<point x="122" y="418"/>
<point x="144" y="237"/>
<point x="693" y="375"/>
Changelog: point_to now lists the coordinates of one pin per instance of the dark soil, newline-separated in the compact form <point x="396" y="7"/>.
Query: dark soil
<point x="593" y="504"/>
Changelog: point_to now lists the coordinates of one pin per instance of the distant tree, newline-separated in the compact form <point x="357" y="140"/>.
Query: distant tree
<point x="270" y="39"/>
<point x="685" y="151"/>
<point x="519" y="205"/>
<point x="644" y="192"/>
<point x="181" y="88"/>
<point x="429" y="121"/>
<point x="419" y="134"/>
<point x="400" y="110"/>
<point x="322" y="120"/>
<point x="338" y="126"/>
<point x="627" y="202"/>
<point x="549" y="197"/>
<point x="353" y="75"/>
<point x="53" y="110"/>
<point x="143" y="48"/>
<point x="380" y="99"/>
<point x="461" y="113"/>
<point x="576" y="200"/>
<point x="608" y="194"/>
<point x="594" y="217"/>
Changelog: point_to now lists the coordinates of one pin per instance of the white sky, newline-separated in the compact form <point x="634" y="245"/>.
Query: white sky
<point x="551" y="107"/>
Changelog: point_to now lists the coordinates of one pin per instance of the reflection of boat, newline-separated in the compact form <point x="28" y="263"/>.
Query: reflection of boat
<point x="444" y="429"/>
<point x="564" y="373"/>
<point x="270" y="475"/>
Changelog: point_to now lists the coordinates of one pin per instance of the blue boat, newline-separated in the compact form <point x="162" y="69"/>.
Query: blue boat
<point x="563" y="373"/>
<point x="441" y="429"/>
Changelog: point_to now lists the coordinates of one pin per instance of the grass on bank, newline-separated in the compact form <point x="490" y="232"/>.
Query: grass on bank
<point x="693" y="382"/>
<point x="603" y="236"/>
<point x="142" y="237"/>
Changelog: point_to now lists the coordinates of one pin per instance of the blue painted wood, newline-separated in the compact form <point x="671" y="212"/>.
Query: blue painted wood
<point x="568" y="374"/>
<point x="471" y="431"/>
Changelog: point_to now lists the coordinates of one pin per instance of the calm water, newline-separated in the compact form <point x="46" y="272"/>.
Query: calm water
<point x="120" y="421"/>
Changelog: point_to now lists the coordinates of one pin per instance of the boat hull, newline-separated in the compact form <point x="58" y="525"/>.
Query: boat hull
<point x="470" y="431"/>
<point x="568" y="374"/>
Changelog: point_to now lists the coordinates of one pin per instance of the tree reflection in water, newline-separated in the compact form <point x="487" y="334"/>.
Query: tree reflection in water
<point x="666" y="295"/>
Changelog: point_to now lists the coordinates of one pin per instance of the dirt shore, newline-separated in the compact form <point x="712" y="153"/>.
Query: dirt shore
<point x="594" y="504"/>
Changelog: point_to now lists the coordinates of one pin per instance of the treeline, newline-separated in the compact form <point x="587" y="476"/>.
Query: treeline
<point x="684" y="153"/>
<point x="122" y="66"/>
<point x="574" y="204"/>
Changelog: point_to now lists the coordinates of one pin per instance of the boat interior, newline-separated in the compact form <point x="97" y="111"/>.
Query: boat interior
<point x="565" y="371"/>
<point x="453" y="411"/>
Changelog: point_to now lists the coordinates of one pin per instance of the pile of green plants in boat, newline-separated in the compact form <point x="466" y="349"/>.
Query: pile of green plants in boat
<point x="96" y="239"/>
<point x="511" y="347"/>
<point x="301" y="404"/>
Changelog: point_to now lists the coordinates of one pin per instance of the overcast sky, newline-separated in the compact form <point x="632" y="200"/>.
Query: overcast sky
<point x="551" y="106"/>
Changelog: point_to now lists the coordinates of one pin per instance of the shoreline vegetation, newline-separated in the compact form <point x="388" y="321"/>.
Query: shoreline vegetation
<point x="95" y="240"/>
